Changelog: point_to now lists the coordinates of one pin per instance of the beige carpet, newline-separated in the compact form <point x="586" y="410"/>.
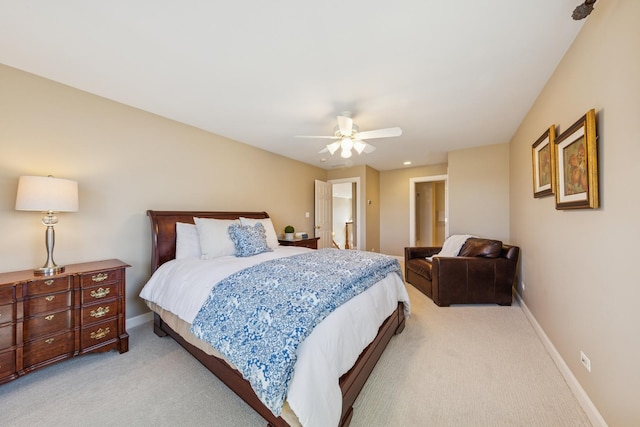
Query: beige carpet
<point x="456" y="366"/>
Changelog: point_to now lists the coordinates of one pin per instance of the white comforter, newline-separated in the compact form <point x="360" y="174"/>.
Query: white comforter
<point x="182" y="286"/>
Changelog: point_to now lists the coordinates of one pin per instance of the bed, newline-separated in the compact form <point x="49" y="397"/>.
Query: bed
<point x="163" y="234"/>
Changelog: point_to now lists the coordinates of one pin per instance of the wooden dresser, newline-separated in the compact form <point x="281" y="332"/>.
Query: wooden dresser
<point x="45" y="319"/>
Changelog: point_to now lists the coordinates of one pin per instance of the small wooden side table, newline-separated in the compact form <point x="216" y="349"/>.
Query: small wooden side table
<point x="311" y="242"/>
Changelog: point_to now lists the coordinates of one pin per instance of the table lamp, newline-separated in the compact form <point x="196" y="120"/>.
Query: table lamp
<point x="49" y="195"/>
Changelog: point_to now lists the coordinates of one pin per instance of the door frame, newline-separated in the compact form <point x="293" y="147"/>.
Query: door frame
<point x="412" y="204"/>
<point x="360" y="225"/>
<point x="323" y="217"/>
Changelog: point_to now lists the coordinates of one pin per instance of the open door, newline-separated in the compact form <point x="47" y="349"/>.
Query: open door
<point x="438" y="224"/>
<point x="323" y="213"/>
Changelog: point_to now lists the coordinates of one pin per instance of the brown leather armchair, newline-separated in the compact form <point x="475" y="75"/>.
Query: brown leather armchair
<point x="483" y="272"/>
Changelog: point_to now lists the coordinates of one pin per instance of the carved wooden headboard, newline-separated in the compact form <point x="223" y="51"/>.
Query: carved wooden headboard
<point x="163" y="230"/>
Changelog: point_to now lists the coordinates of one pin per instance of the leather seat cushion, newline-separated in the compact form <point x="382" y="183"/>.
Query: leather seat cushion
<point x="420" y="266"/>
<point x="485" y="248"/>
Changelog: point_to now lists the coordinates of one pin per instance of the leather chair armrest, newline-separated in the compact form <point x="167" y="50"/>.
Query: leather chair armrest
<point x="420" y="252"/>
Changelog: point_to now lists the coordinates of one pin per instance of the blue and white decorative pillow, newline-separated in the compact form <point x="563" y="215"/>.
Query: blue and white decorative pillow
<point x="249" y="240"/>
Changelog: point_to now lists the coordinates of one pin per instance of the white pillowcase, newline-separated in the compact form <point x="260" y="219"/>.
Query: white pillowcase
<point x="187" y="241"/>
<point x="272" y="237"/>
<point x="214" y="237"/>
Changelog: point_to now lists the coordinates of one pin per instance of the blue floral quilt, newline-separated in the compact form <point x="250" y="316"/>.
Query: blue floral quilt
<point x="257" y="317"/>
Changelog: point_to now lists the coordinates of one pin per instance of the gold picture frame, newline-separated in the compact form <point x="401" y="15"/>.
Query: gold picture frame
<point x="577" y="165"/>
<point x="543" y="157"/>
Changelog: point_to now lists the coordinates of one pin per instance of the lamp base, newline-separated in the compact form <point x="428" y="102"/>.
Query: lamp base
<point x="49" y="271"/>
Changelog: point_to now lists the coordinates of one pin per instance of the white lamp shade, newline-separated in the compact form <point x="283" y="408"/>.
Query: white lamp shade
<point x="333" y="147"/>
<point x="46" y="193"/>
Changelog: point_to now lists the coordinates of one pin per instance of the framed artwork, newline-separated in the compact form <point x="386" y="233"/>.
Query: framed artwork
<point x="577" y="165"/>
<point x="543" y="156"/>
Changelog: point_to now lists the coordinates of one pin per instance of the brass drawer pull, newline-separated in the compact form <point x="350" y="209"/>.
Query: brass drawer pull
<point x="48" y="282"/>
<point x="50" y="298"/>
<point x="100" y="293"/>
<point x="99" y="277"/>
<point x="99" y="312"/>
<point x="49" y="317"/>
<point x="49" y="341"/>
<point x="99" y="334"/>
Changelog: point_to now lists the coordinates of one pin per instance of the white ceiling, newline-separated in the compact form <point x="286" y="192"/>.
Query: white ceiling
<point x="451" y="74"/>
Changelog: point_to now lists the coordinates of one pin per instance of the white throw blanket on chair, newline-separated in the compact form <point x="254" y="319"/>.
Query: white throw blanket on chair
<point x="452" y="245"/>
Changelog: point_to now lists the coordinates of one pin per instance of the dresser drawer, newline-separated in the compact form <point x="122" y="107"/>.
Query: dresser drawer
<point x="6" y="294"/>
<point x="43" y="349"/>
<point x="98" y="312"/>
<point x="47" y="286"/>
<point x="99" y="278"/>
<point x="36" y="327"/>
<point x="7" y="336"/>
<point x="7" y="363"/>
<point x="100" y="293"/>
<point x="46" y="303"/>
<point x="99" y="333"/>
<point x="6" y="313"/>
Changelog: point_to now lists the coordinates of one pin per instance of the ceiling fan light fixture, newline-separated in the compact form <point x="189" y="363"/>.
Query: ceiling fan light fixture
<point x="359" y="146"/>
<point x="333" y="147"/>
<point x="347" y="136"/>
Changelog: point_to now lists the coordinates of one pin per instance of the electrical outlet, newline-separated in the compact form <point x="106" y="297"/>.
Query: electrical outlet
<point x="585" y="361"/>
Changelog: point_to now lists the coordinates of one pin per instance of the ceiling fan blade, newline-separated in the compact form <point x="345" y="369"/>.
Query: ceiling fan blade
<point x="369" y="149"/>
<point x="324" y="150"/>
<point x="379" y="133"/>
<point x="322" y="137"/>
<point x="346" y="125"/>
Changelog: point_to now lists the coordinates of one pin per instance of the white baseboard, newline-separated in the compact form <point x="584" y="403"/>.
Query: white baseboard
<point x="583" y="399"/>
<point x="132" y="322"/>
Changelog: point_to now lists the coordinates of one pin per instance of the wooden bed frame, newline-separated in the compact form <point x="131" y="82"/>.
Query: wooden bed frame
<point x="163" y="238"/>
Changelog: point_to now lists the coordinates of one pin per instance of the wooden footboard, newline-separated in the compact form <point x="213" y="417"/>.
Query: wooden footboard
<point x="351" y="383"/>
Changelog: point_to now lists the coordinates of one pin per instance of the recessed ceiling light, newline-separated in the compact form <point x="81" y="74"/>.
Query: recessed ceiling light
<point x="406" y="163"/>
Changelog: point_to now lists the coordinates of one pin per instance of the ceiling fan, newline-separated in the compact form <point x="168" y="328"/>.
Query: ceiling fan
<point x="348" y="137"/>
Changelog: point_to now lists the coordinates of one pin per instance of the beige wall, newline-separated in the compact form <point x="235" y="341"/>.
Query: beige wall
<point x="479" y="192"/>
<point x="373" y="209"/>
<point x="440" y="190"/>
<point x="126" y="161"/>
<point x="394" y="206"/>
<point x="580" y="267"/>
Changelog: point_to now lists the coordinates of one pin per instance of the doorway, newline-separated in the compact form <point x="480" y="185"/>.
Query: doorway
<point x="344" y="209"/>
<point x="347" y="213"/>
<point x="428" y="210"/>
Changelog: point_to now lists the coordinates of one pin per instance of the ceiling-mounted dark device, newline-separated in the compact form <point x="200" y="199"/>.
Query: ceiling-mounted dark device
<point x="583" y="10"/>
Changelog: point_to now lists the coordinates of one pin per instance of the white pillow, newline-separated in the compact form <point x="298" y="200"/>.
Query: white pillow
<point x="187" y="241"/>
<point x="214" y="237"/>
<point x="272" y="237"/>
